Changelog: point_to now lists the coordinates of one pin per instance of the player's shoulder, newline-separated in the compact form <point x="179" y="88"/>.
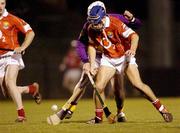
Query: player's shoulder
<point x="114" y="19"/>
<point x="115" y="22"/>
<point x="14" y="18"/>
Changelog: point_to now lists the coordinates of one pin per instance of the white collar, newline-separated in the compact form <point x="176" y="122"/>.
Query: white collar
<point x="4" y="14"/>
<point x="107" y="21"/>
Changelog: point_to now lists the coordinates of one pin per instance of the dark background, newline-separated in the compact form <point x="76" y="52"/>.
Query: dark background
<point x="57" y="22"/>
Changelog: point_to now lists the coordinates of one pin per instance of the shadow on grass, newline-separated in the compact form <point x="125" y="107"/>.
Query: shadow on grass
<point x="8" y="123"/>
<point x="141" y="122"/>
<point x="128" y="122"/>
<point x="173" y="127"/>
<point x="68" y="122"/>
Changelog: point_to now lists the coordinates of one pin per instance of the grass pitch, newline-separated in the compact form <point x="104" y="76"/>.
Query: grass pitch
<point x="142" y="118"/>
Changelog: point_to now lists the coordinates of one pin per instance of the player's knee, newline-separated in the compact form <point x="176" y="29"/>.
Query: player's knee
<point x="9" y="83"/>
<point x="100" y="87"/>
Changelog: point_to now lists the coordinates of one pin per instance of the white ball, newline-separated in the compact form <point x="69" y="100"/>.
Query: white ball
<point x="54" y="107"/>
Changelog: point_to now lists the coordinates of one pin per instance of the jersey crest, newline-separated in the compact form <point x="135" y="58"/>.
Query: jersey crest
<point x="110" y="34"/>
<point x="6" y="24"/>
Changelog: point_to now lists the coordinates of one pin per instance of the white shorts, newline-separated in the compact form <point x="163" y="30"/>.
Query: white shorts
<point x="10" y="59"/>
<point x="118" y="63"/>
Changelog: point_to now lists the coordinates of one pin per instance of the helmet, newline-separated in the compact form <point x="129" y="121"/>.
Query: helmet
<point x="96" y="11"/>
<point x="96" y="3"/>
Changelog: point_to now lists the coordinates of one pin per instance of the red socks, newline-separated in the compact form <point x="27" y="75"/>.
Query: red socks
<point x="21" y="113"/>
<point x="32" y="89"/>
<point x="157" y="104"/>
<point x="99" y="113"/>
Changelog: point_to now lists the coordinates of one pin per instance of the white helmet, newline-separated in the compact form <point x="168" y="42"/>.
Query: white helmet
<point x="96" y="3"/>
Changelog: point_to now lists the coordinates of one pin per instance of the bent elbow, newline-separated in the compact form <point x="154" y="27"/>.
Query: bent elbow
<point x="135" y="36"/>
<point x="32" y="33"/>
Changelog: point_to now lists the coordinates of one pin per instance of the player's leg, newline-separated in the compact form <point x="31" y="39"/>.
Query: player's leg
<point x="69" y="107"/>
<point x="78" y="91"/>
<point x="103" y="77"/>
<point x="33" y="90"/>
<point x="3" y="87"/>
<point x="119" y="94"/>
<point x="10" y="81"/>
<point x="2" y="79"/>
<point x="134" y="77"/>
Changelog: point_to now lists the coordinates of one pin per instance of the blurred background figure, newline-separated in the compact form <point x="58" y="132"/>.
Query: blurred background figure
<point x="71" y="67"/>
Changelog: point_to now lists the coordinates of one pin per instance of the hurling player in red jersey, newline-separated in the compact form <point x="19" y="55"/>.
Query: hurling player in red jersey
<point x="69" y="107"/>
<point x="11" y="59"/>
<point x="119" y="44"/>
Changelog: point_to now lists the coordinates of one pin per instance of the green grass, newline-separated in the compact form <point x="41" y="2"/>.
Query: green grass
<point x="141" y="115"/>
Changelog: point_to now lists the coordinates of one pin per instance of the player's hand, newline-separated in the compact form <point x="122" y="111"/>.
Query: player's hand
<point x="86" y="67"/>
<point x="19" y="50"/>
<point x="128" y="15"/>
<point x="130" y="53"/>
<point x="93" y="70"/>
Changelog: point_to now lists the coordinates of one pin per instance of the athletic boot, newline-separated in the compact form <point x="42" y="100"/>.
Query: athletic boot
<point x="163" y="111"/>
<point x="36" y="94"/>
<point x="71" y="110"/>
<point x="121" y="117"/>
<point x="168" y="117"/>
<point x="69" y="114"/>
<point x="95" y="120"/>
<point x="20" y="119"/>
<point x="21" y="115"/>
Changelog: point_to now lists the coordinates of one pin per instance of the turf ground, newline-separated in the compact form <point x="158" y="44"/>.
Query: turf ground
<point x="142" y="118"/>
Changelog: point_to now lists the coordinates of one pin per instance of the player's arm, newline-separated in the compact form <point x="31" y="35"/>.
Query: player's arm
<point x="130" y="35"/>
<point x="134" y="44"/>
<point x="26" y="29"/>
<point x="92" y="58"/>
<point x="29" y="36"/>
<point x="82" y="43"/>
<point x="134" y="22"/>
<point x="81" y="50"/>
<point x="129" y="19"/>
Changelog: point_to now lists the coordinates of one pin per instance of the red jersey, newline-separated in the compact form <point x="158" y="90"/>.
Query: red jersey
<point x="10" y="25"/>
<point x="115" y="38"/>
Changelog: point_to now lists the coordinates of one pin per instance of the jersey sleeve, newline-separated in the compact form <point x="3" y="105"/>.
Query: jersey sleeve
<point x="81" y="50"/>
<point x="124" y="30"/>
<point x="136" y="24"/>
<point x="21" y="25"/>
<point x="82" y="43"/>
